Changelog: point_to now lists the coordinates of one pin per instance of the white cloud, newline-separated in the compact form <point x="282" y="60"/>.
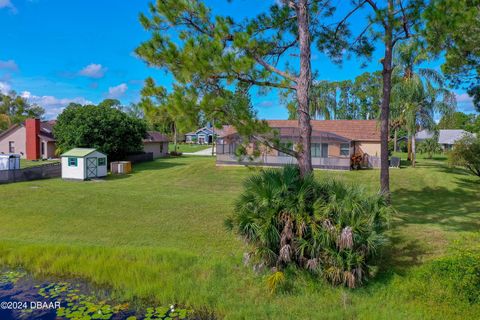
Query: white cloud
<point x="53" y="105"/>
<point x="8" y="64"/>
<point x="9" y="5"/>
<point x="464" y="102"/>
<point x="93" y="70"/>
<point x="5" y="87"/>
<point x="117" y="91"/>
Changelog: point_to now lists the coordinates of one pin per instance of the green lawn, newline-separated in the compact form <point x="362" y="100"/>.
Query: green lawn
<point x="189" y="147"/>
<point x="29" y="163"/>
<point x="158" y="236"/>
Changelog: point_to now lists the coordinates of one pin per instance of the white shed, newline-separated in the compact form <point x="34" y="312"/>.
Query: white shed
<point x="83" y="164"/>
<point x="9" y="161"/>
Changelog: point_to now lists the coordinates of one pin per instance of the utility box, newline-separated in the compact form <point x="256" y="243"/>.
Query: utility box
<point x="121" y="167"/>
<point x="9" y="161"/>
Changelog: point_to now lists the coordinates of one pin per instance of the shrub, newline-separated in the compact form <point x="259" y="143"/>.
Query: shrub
<point x="330" y="229"/>
<point x="175" y="153"/>
<point x="448" y="279"/>
<point x="466" y="153"/>
<point x="430" y="147"/>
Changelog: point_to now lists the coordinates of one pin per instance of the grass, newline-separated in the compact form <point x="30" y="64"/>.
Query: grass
<point x="187" y="148"/>
<point x="30" y="163"/>
<point x="157" y="236"/>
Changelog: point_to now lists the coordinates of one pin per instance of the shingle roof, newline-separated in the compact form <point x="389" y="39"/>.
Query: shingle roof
<point x="78" y="152"/>
<point x="155" y="136"/>
<point x="354" y="130"/>
<point x="451" y="136"/>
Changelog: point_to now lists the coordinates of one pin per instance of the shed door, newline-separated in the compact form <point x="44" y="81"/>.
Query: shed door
<point x="91" y="167"/>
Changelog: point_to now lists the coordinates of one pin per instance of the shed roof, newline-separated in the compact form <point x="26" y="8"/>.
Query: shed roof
<point x="79" y="152"/>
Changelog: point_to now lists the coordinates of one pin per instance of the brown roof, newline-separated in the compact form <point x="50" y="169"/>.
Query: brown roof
<point x="155" y="136"/>
<point x="46" y="130"/>
<point x="354" y="130"/>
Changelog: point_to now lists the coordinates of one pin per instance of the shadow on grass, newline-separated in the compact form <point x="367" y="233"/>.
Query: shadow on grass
<point x="452" y="209"/>
<point x="155" y="165"/>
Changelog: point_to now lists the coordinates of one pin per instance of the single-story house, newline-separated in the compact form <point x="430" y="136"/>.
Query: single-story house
<point x="156" y="143"/>
<point x="83" y="164"/>
<point x="334" y="142"/>
<point x="33" y="139"/>
<point x="203" y="135"/>
<point x="446" y="137"/>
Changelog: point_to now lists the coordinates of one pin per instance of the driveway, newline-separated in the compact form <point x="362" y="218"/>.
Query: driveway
<point x="205" y="152"/>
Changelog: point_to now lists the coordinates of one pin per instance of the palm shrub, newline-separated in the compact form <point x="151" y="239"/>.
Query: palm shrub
<point x="328" y="228"/>
<point x="430" y="147"/>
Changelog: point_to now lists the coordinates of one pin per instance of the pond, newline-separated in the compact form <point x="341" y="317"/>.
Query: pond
<point x="24" y="297"/>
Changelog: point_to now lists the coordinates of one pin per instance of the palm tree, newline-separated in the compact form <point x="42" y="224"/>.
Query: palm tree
<point x="419" y="94"/>
<point x="327" y="228"/>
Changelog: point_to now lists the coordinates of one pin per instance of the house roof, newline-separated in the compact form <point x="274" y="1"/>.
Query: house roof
<point x="445" y="136"/>
<point x="46" y="130"/>
<point x="155" y="136"/>
<point x="451" y="136"/>
<point x="203" y="129"/>
<point x="348" y="130"/>
<point x="78" y="152"/>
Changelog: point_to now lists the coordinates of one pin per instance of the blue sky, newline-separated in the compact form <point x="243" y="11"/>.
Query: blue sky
<point x="57" y="51"/>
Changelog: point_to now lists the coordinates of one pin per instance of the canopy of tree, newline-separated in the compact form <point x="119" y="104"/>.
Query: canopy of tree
<point x="103" y="127"/>
<point x="15" y="109"/>
<point x="460" y="120"/>
<point x="453" y="28"/>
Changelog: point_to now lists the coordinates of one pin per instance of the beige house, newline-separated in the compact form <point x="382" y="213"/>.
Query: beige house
<point x="156" y="143"/>
<point x="334" y="142"/>
<point x="34" y="139"/>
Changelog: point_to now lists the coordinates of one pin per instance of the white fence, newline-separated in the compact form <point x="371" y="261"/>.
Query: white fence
<point x="274" y="161"/>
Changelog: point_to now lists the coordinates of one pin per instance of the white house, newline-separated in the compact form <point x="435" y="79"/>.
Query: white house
<point x="83" y="164"/>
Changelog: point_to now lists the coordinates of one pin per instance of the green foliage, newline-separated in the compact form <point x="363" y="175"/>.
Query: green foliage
<point x="15" y="109"/>
<point x="11" y="276"/>
<point x="347" y="99"/>
<point x="466" y="153"/>
<point x="453" y="27"/>
<point x="275" y="280"/>
<point x="102" y="127"/>
<point x="456" y="120"/>
<point x="430" y="147"/>
<point x="453" y="279"/>
<point x="328" y="228"/>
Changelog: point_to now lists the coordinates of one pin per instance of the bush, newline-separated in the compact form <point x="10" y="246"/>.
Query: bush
<point x="430" y="147"/>
<point x="466" y="153"/>
<point x="330" y="229"/>
<point x="450" y="279"/>
<point x="175" y="153"/>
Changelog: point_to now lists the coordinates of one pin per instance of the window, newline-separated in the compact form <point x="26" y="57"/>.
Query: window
<point x="42" y="148"/>
<point x="72" y="162"/>
<point x="11" y="146"/>
<point x="102" y="161"/>
<point x="319" y="150"/>
<point x="344" y="149"/>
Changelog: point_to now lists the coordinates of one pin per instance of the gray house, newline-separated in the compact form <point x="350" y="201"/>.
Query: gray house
<point x="203" y="135"/>
<point x="446" y="137"/>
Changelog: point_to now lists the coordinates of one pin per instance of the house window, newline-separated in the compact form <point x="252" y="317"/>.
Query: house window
<point x="42" y="148"/>
<point x="201" y="139"/>
<point x="102" y="161"/>
<point x="72" y="162"/>
<point x="319" y="150"/>
<point x="11" y="146"/>
<point x="344" y="149"/>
